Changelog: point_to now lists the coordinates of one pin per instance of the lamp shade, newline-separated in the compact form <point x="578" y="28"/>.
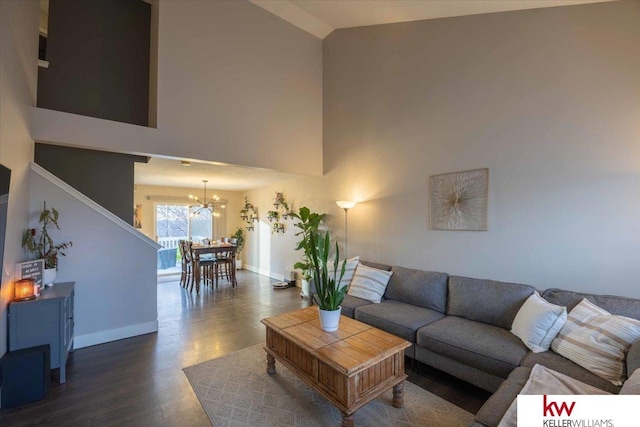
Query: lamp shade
<point x="345" y="204"/>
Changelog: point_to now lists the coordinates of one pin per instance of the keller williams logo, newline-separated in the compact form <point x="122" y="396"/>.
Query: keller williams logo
<point x="549" y="408"/>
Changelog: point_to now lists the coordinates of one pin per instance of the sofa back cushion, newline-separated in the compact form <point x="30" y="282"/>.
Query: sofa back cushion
<point x="622" y="306"/>
<point x="487" y="301"/>
<point x="377" y="266"/>
<point x="426" y="289"/>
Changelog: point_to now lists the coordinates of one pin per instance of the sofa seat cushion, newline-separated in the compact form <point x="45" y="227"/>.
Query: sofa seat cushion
<point x="553" y="360"/>
<point x="489" y="348"/>
<point x="351" y="303"/>
<point x="397" y="318"/>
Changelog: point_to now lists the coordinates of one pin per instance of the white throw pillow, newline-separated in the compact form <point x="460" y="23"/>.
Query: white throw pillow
<point x="369" y="283"/>
<point x="349" y="271"/>
<point x="597" y="340"/>
<point x="632" y="385"/>
<point x="538" y="322"/>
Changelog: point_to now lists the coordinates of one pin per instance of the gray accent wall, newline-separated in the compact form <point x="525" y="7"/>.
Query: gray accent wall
<point x="106" y="178"/>
<point x="98" y="53"/>
<point x="547" y="99"/>
<point x="236" y="84"/>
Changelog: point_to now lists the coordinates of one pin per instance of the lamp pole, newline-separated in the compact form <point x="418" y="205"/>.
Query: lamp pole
<point x="346" y="205"/>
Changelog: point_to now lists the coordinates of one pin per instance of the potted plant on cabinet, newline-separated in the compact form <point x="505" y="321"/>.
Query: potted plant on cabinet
<point x="238" y="237"/>
<point x="42" y="247"/>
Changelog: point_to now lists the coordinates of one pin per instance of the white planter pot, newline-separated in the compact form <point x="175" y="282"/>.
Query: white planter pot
<point x="238" y="264"/>
<point x="304" y="285"/>
<point x="49" y="276"/>
<point x="329" y="320"/>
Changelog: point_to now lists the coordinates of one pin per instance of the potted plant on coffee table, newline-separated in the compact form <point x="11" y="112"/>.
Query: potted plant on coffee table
<point x="329" y="295"/>
<point x="43" y="247"/>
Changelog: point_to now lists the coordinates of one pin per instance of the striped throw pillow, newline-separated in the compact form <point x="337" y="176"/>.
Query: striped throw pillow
<point x="349" y="271"/>
<point x="597" y="340"/>
<point x="369" y="283"/>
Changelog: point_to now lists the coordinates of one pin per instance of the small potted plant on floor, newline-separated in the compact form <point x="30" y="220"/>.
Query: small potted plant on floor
<point x="308" y="222"/>
<point x="238" y="239"/>
<point x="43" y="247"/>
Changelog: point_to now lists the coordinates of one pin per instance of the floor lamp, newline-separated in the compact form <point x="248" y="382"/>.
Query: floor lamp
<point x="346" y="205"/>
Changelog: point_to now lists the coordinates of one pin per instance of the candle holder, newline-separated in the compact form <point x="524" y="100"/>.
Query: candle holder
<point x="23" y="290"/>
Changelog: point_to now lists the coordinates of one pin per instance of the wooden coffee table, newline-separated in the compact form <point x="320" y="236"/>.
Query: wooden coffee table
<point x="349" y="367"/>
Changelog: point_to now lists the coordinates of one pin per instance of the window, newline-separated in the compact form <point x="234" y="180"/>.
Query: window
<point x="173" y="223"/>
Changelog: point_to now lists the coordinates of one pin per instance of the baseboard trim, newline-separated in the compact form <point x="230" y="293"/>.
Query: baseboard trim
<point x="264" y="272"/>
<point x="102" y="337"/>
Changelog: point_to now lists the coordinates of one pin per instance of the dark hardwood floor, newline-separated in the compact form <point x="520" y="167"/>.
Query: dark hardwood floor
<point x="139" y="381"/>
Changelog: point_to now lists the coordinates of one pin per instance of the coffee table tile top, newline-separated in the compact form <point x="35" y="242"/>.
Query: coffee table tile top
<point x="353" y="346"/>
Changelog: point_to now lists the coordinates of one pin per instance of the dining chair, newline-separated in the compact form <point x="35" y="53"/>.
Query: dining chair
<point x="185" y="255"/>
<point x="223" y="266"/>
<point x="204" y="266"/>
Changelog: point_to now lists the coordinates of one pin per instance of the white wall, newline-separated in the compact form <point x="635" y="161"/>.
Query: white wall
<point x="548" y="99"/>
<point x="236" y="85"/>
<point x="114" y="266"/>
<point x="239" y="85"/>
<point x="149" y="195"/>
<point x="18" y="71"/>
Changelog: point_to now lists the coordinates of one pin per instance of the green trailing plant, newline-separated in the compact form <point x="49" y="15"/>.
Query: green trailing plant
<point x="42" y="247"/>
<point x="308" y="223"/>
<point x="248" y="214"/>
<point x="328" y="294"/>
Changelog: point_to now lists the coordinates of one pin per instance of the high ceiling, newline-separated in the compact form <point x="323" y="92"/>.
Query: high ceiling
<point x="321" y="17"/>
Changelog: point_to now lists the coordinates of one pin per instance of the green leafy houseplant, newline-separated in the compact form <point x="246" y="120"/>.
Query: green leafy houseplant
<point x="308" y="223"/>
<point x="239" y="236"/>
<point x="328" y="295"/>
<point x="42" y="247"/>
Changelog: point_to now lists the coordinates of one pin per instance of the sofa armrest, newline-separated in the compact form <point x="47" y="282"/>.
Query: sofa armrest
<point x="633" y="358"/>
<point x="494" y="409"/>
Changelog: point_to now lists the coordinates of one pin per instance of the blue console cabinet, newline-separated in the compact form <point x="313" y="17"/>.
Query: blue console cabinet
<point x="48" y="319"/>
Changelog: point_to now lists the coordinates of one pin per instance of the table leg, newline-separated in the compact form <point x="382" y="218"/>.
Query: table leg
<point x="234" y="282"/>
<point x="196" y="272"/>
<point x="347" y="420"/>
<point x="398" y="395"/>
<point x="271" y="364"/>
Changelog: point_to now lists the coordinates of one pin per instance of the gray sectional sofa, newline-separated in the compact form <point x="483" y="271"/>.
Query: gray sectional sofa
<point x="462" y="326"/>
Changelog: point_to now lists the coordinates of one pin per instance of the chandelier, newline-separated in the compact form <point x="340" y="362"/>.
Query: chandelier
<point x="205" y="203"/>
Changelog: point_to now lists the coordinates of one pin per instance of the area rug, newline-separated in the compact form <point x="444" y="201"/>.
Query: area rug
<point x="235" y="390"/>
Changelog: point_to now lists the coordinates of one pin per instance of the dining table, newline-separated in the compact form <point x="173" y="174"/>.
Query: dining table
<point x="223" y="248"/>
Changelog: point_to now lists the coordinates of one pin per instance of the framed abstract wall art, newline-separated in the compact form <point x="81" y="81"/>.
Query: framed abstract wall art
<point x="459" y="200"/>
